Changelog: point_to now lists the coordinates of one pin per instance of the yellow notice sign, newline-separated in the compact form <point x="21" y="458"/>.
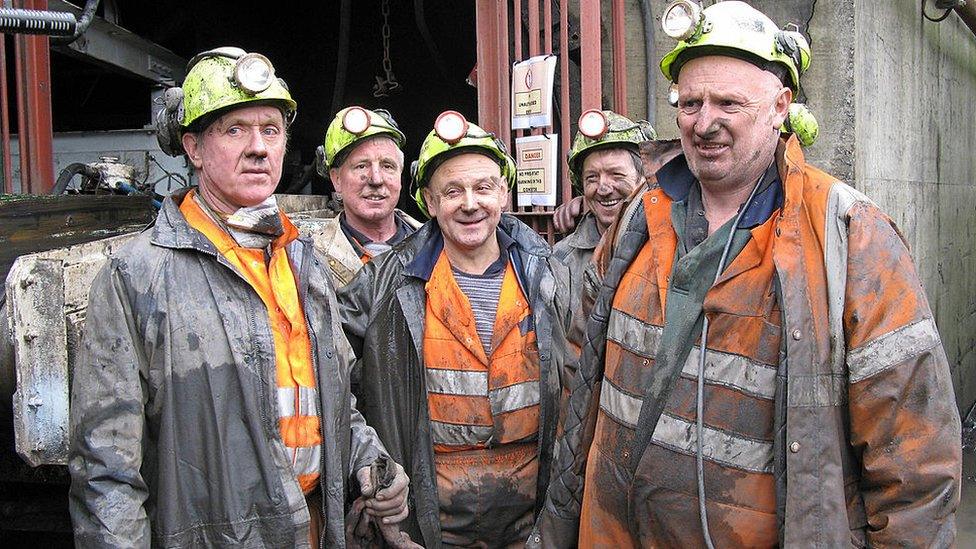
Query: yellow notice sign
<point x="532" y="82"/>
<point x="535" y="156"/>
<point x="529" y="102"/>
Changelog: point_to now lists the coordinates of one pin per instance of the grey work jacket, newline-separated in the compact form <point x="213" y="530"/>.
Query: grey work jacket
<point x="175" y="439"/>
<point x="335" y="247"/>
<point x="576" y="252"/>
<point x="383" y="311"/>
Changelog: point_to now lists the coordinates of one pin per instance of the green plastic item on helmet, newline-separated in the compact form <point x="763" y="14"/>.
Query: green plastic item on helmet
<point x="452" y="135"/>
<point x="227" y="76"/>
<point x="354" y="124"/>
<point x="736" y="29"/>
<point x="602" y="130"/>
<point x="801" y="123"/>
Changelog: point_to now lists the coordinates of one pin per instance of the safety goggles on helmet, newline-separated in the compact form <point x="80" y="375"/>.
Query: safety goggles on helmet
<point x="605" y="129"/>
<point x="350" y="126"/>
<point x="731" y="28"/>
<point x="452" y="135"/>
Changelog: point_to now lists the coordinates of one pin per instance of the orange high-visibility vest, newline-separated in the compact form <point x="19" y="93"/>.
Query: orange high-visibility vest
<point x="298" y="419"/>
<point x="475" y="399"/>
<point x="740" y="372"/>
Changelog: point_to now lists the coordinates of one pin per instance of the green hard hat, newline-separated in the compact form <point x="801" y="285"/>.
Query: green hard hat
<point x="222" y="77"/>
<point x="731" y="28"/>
<point x="452" y="135"/>
<point x="353" y="124"/>
<point x="605" y="129"/>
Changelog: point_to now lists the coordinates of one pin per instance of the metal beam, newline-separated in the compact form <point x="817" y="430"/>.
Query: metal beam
<point x="33" y="77"/>
<point x="116" y="47"/>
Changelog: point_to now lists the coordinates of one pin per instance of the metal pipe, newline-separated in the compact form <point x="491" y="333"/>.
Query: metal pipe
<point x="8" y="172"/>
<point x="619" y="58"/>
<point x="565" y="113"/>
<point x="648" y="19"/>
<point x="87" y="15"/>
<point x="533" y="28"/>
<point x="34" y="107"/>
<point x="342" y="56"/>
<point x="591" y="77"/>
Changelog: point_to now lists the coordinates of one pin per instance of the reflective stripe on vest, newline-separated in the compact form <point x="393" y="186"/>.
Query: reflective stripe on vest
<point x="476" y="401"/>
<point x="274" y="282"/>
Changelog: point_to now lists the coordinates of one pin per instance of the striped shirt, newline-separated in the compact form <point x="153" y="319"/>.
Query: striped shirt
<point x="482" y="292"/>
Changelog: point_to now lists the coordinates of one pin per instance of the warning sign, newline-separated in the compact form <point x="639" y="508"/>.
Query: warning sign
<point x="536" y="156"/>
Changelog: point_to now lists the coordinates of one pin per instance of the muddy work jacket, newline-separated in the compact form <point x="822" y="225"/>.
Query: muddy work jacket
<point x="174" y="418"/>
<point x="385" y="313"/>
<point x="864" y="444"/>
<point x="576" y="252"/>
<point x="345" y="257"/>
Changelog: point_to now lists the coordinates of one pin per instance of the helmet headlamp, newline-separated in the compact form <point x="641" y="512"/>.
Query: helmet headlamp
<point x="681" y="18"/>
<point x="254" y="73"/>
<point x="593" y="124"/>
<point x="450" y="127"/>
<point x="355" y="121"/>
<point x="673" y="95"/>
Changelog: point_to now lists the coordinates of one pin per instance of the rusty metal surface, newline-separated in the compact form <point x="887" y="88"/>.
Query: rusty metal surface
<point x="34" y="107"/>
<point x="8" y="182"/>
<point x="591" y="82"/>
<point x="619" y="58"/>
<point x="566" y="190"/>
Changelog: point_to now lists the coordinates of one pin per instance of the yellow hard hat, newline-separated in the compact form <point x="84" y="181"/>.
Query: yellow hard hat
<point x="603" y="129"/>
<point x="215" y="80"/>
<point x="735" y="29"/>
<point x="453" y="134"/>
<point x="350" y="126"/>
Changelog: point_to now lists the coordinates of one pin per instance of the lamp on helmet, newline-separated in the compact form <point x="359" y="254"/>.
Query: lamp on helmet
<point x="593" y="124"/>
<point x="254" y="73"/>
<point x="450" y="126"/>
<point x="452" y="135"/>
<point x="355" y="121"/>
<point x="681" y="19"/>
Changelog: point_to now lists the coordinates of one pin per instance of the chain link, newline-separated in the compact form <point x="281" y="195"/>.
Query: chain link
<point x="384" y="86"/>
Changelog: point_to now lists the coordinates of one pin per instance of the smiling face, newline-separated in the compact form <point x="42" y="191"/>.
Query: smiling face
<point x="369" y="181"/>
<point x="609" y="176"/>
<point x="467" y="194"/>
<point x="239" y="157"/>
<point x="729" y="115"/>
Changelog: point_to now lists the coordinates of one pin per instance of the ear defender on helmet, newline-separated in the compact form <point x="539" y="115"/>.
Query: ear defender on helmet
<point x="169" y="134"/>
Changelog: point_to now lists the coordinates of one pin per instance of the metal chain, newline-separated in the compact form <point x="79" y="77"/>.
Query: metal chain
<point x="384" y="86"/>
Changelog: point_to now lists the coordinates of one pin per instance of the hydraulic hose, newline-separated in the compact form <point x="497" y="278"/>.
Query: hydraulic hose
<point x="69" y="172"/>
<point x="342" y="56"/>
<point x="700" y="394"/>
<point x="87" y="15"/>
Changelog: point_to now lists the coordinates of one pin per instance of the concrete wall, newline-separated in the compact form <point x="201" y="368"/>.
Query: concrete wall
<point x="915" y="138"/>
<point x="895" y="96"/>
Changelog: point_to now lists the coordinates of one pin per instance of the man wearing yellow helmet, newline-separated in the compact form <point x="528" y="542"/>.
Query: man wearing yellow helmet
<point x="761" y="366"/>
<point x="214" y="408"/>
<point x="362" y="156"/>
<point x="604" y="163"/>
<point x="461" y="335"/>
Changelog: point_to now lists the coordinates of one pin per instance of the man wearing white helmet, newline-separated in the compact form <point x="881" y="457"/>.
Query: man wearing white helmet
<point x="821" y="411"/>
<point x="362" y="156"/>
<point x="213" y="408"/>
